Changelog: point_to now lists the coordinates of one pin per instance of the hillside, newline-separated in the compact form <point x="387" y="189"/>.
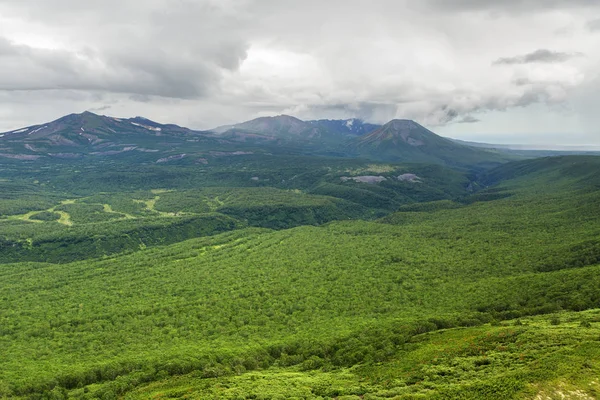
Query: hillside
<point x="407" y="141"/>
<point x="423" y="302"/>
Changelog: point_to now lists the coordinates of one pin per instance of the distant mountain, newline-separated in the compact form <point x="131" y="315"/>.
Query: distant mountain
<point x="281" y="128"/>
<point x="353" y="126"/>
<point x="88" y="134"/>
<point x="403" y="140"/>
<point x="76" y="135"/>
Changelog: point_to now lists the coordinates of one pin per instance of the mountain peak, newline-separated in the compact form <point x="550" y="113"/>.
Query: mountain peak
<point x="279" y="126"/>
<point x="278" y="119"/>
<point x="400" y="131"/>
<point x="406" y="140"/>
<point x="284" y="117"/>
<point x="403" y="124"/>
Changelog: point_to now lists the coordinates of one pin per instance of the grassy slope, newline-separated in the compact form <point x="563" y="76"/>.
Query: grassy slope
<point x="549" y="357"/>
<point x="344" y="294"/>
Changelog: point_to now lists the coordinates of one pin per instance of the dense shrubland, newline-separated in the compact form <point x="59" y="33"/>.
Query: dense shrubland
<point x="417" y="303"/>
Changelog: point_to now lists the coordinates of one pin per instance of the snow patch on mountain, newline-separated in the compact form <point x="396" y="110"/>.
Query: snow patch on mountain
<point x="150" y="128"/>
<point x="38" y="129"/>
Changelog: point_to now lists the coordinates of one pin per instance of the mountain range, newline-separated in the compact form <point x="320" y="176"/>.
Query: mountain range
<point x="90" y="135"/>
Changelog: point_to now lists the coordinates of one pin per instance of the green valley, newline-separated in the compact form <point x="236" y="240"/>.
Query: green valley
<point x="447" y="284"/>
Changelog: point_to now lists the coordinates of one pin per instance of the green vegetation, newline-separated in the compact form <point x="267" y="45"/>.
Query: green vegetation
<point x="294" y="288"/>
<point x="46" y="216"/>
<point x="485" y="362"/>
<point x="60" y="243"/>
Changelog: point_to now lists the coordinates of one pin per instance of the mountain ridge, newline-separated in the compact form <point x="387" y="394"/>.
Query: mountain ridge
<point x="80" y="135"/>
<point x="76" y="135"/>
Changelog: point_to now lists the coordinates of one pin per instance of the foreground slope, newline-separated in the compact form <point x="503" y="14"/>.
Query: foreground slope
<point x="346" y="294"/>
<point x="542" y="357"/>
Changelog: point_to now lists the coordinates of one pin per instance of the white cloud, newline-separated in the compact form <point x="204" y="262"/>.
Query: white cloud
<point x="208" y="62"/>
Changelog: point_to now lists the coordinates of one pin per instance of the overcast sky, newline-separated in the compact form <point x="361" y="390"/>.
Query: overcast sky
<point x="512" y="71"/>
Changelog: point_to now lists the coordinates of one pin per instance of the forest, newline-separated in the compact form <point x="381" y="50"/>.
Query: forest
<point x="197" y="282"/>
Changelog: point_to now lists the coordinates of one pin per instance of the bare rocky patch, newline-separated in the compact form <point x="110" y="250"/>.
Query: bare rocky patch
<point x="371" y="179"/>
<point x="409" y="178"/>
<point x="171" y="158"/>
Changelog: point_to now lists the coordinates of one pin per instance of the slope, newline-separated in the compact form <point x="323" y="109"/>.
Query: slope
<point x="486" y="362"/>
<point x="351" y="293"/>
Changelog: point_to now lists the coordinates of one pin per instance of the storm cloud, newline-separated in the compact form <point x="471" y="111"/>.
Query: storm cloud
<point x="204" y="63"/>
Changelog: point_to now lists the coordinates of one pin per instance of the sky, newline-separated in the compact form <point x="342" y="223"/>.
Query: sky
<point x="510" y="71"/>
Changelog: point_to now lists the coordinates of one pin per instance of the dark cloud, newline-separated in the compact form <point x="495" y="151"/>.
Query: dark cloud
<point x="177" y="49"/>
<point x="139" y="71"/>
<point x="538" y="56"/>
<point x="468" y="119"/>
